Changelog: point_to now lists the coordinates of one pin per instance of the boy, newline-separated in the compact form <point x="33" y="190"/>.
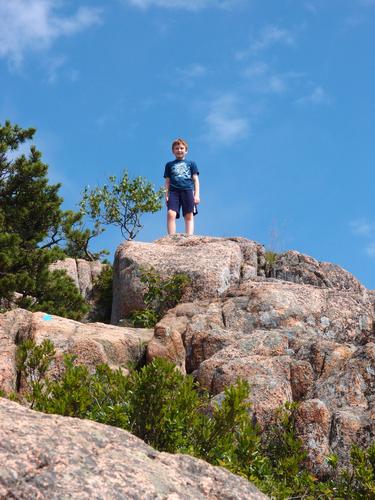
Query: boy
<point x="181" y="188"/>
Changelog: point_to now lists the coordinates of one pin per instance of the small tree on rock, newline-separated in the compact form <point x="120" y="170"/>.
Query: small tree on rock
<point x="122" y="203"/>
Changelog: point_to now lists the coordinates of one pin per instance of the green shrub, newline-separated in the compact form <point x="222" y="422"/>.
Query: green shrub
<point x="60" y="296"/>
<point x="168" y="411"/>
<point x="270" y="258"/>
<point x="358" y="482"/>
<point x="161" y="295"/>
<point x="103" y="292"/>
<point x="144" y="318"/>
<point x="32" y="363"/>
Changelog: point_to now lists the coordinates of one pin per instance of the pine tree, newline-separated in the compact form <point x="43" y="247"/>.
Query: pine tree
<point x="30" y="219"/>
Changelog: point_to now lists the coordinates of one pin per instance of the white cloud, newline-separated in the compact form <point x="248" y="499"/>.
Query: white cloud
<point x="366" y="229"/>
<point x="225" y="125"/>
<point x="35" y="24"/>
<point x="362" y="227"/>
<point x="317" y="96"/>
<point x="189" y="74"/>
<point x="53" y="67"/>
<point x="257" y="69"/>
<point x="183" y="4"/>
<point x="269" y="36"/>
<point x="264" y="80"/>
<point x="370" y="250"/>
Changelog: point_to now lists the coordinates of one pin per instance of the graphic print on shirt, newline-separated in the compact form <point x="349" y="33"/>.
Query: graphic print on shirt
<point x="181" y="170"/>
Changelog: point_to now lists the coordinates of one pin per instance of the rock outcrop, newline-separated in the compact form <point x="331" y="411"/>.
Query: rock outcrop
<point x="304" y="334"/>
<point x="213" y="264"/>
<point x="299" y="268"/>
<point x="54" y="457"/>
<point x="292" y="343"/>
<point x="91" y="343"/>
<point x="300" y="330"/>
<point x="84" y="273"/>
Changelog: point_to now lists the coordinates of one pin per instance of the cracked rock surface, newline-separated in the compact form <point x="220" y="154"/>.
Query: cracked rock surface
<point x="91" y="343"/>
<point x="54" y="457"/>
<point x="292" y="342"/>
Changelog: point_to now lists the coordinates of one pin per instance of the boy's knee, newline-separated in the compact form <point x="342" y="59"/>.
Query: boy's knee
<point x="171" y="214"/>
<point x="188" y="216"/>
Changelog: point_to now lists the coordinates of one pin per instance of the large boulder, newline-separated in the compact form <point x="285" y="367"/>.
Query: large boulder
<point x="215" y="265"/>
<point x="49" y="456"/>
<point x="292" y="342"/>
<point x="300" y="268"/>
<point x="91" y="343"/>
<point x="84" y="273"/>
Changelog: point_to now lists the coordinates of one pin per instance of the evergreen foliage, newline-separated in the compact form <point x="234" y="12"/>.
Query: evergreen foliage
<point x="30" y="219"/>
<point x="167" y="410"/>
<point x="102" y="293"/>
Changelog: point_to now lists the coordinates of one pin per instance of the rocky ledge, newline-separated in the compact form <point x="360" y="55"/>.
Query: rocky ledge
<point x="91" y="343"/>
<point x="48" y="456"/>
<point x="297" y="330"/>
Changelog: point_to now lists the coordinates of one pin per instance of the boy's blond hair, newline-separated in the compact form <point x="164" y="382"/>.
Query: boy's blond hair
<point x="180" y="141"/>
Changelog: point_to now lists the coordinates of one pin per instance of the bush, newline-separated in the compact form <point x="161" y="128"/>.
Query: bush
<point x="103" y="292"/>
<point x="168" y="411"/>
<point x="161" y="295"/>
<point x="270" y="258"/>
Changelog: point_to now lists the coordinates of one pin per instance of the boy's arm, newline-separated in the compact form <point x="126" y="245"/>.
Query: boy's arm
<point x="196" y="188"/>
<point x="167" y="184"/>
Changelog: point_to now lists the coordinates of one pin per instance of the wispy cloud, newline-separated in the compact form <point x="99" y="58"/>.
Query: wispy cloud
<point x="264" y="80"/>
<point x="365" y="228"/>
<point x="370" y="250"/>
<point x="269" y="36"/>
<point x="225" y="124"/>
<point x="318" y="95"/>
<point x="183" y="4"/>
<point x="29" y="25"/>
<point x="54" y="65"/>
<point x="56" y="69"/>
<point x="189" y="74"/>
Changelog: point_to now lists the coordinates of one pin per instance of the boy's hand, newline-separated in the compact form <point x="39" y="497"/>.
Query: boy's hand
<point x="196" y="200"/>
<point x="166" y="198"/>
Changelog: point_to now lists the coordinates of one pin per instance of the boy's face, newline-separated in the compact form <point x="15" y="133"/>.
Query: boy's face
<point x="179" y="150"/>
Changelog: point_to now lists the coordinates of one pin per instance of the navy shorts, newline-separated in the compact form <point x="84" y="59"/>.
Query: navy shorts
<point x="184" y="199"/>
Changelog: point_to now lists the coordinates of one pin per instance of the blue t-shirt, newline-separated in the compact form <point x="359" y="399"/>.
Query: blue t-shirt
<point x="180" y="173"/>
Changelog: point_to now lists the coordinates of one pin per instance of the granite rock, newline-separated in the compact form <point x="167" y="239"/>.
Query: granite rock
<point x="91" y="343"/>
<point x="54" y="457"/>
<point x="213" y="264"/>
<point x="84" y="273"/>
<point x="300" y="268"/>
<point x="291" y="342"/>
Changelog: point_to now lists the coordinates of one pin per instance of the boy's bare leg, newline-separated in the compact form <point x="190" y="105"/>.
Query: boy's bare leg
<point x="189" y="224"/>
<point x="171" y="222"/>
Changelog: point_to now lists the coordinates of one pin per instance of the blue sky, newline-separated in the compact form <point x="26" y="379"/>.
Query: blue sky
<point x="276" y="99"/>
